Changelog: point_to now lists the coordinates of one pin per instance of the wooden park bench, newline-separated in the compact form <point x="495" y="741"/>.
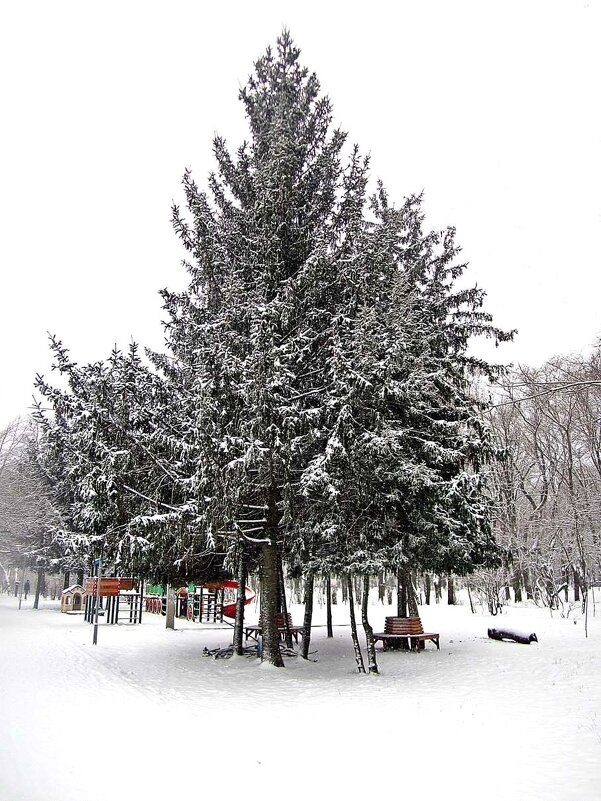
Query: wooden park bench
<point x="251" y="631"/>
<point x="408" y="629"/>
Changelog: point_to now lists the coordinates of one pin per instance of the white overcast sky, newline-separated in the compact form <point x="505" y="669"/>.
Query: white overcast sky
<point x="491" y="108"/>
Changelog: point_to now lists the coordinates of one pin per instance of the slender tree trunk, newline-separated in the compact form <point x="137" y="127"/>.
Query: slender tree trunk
<point x="528" y="585"/>
<point x="309" y="584"/>
<point x="427" y="587"/>
<point x="330" y="630"/>
<point x="240" y="598"/>
<point x="381" y="588"/>
<point x="469" y="595"/>
<point x="283" y="603"/>
<point x="517" y="587"/>
<point x="372" y="664"/>
<point x="357" y="647"/>
<point x="39" y="587"/>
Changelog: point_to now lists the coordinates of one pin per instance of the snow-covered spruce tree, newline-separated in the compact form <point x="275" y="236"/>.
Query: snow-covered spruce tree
<point x="251" y="336"/>
<point x="319" y="355"/>
<point x="109" y="468"/>
<point x="399" y="480"/>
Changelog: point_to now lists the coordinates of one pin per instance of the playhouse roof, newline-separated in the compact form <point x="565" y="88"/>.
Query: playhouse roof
<point x="73" y="588"/>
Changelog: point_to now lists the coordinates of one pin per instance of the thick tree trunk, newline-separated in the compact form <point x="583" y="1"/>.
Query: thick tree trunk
<point x="170" y="610"/>
<point x="411" y="599"/>
<point x="80" y="575"/>
<point x="329" y="607"/>
<point x="450" y="590"/>
<point x="240" y="598"/>
<point x="309" y="584"/>
<point x="357" y="647"/>
<point x="39" y="587"/>
<point x="270" y="581"/>
<point x="576" y="586"/>
<point x="401" y="595"/>
<point x="66" y="579"/>
<point x="372" y="664"/>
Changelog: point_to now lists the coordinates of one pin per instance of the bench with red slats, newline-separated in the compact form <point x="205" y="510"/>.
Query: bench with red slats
<point x="409" y="629"/>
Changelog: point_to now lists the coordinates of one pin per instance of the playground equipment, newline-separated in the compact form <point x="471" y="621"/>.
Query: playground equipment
<point x="123" y="599"/>
<point x="207" y="603"/>
<point x="73" y="599"/>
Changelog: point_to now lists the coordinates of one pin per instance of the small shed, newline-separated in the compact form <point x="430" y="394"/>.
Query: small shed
<point x="73" y="599"/>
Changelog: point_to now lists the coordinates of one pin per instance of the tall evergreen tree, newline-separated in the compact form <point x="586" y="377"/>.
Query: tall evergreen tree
<point x="321" y="353"/>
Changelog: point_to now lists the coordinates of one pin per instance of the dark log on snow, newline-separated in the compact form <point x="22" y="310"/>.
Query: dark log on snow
<point x="511" y="634"/>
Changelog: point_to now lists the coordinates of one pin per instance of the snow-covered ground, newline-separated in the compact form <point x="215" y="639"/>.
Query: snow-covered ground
<point x="146" y="714"/>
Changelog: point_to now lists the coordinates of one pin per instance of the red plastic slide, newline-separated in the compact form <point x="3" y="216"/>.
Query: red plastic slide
<point x="229" y="609"/>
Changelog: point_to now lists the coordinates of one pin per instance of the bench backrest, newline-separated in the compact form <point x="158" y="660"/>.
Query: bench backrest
<point x="403" y="625"/>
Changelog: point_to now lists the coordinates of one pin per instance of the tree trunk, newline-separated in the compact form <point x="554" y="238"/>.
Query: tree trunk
<point x="401" y="595"/>
<point x="427" y="587"/>
<point x="469" y="595"/>
<point x="411" y="599"/>
<point x="381" y="588"/>
<point x="309" y="583"/>
<point x="270" y="580"/>
<point x="517" y="587"/>
<point x="372" y="664"/>
<point x="357" y="647"/>
<point x="39" y="587"/>
<point x="67" y="579"/>
<point x="283" y="606"/>
<point x="170" y="619"/>
<point x="528" y="585"/>
<point x="329" y="607"/>
<point x="80" y="576"/>
<point x="240" y="598"/>
<point x="450" y="590"/>
<point x="576" y="586"/>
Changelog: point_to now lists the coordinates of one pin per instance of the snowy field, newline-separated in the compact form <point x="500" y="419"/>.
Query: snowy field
<point x="143" y="715"/>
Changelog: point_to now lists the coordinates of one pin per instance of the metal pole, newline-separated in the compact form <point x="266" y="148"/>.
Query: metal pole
<point x="98" y="563"/>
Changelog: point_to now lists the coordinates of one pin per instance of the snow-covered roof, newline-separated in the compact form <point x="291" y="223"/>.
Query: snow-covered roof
<point x="73" y="588"/>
